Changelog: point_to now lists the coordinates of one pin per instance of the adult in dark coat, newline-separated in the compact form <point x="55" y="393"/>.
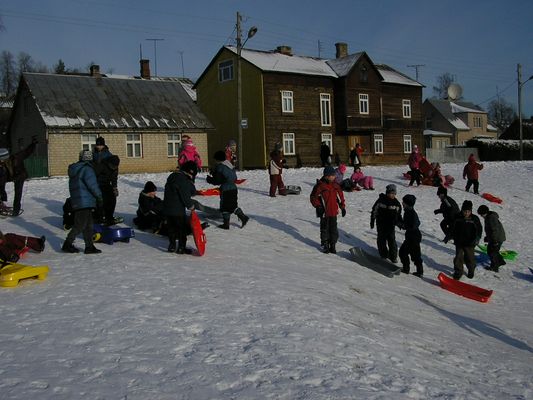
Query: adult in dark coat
<point x="179" y="190"/>
<point x="12" y="169"/>
<point x="325" y="154"/>
<point x="494" y="237"/>
<point x="449" y="210"/>
<point x="149" y="213"/>
<point x="106" y="169"/>
<point x="85" y="195"/>
<point x="467" y="232"/>
<point x="386" y="215"/>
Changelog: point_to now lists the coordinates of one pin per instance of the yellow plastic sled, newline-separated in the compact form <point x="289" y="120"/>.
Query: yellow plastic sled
<point x="13" y="273"/>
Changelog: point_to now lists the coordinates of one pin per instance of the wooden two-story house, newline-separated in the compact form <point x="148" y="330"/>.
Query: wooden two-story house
<point x="301" y="102"/>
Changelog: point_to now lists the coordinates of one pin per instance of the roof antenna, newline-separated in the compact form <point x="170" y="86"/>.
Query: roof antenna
<point x="140" y="51"/>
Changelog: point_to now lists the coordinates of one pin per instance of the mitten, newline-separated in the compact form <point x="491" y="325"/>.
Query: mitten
<point x="436" y="212"/>
<point x="343" y="212"/>
<point x="320" y="212"/>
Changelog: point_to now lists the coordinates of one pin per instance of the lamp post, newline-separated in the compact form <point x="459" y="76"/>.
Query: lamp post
<point x="520" y="84"/>
<point x="251" y="32"/>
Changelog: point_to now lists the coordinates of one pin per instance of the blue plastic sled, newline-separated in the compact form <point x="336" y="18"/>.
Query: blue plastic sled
<point x="109" y="235"/>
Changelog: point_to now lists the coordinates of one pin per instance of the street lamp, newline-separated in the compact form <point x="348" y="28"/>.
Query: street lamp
<point x="251" y="32"/>
<point x="520" y="84"/>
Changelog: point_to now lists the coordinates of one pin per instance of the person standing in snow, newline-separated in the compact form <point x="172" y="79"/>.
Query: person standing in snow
<point x="471" y="172"/>
<point x="413" y="237"/>
<point x="106" y="168"/>
<point x="224" y="175"/>
<point x="414" y="165"/>
<point x="467" y="232"/>
<point x="189" y="153"/>
<point x="275" y="168"/>
<point x="494" y="237"/>
<point x="85" y="196"/>
<point x="325" y="154"/>
<point x="386" y="215"/>
<point x="327" y="197"/>
<point x="231" y="152"/>
<point x="449" y="210"/>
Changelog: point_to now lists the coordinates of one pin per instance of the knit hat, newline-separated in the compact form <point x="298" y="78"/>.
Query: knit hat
<point x="442" y="190"/>
<point x="390" y="188"/>
<point x="467" y="205"/>
<point x="188" y="142"/>
<point x="483" y="210"/>
<point x="190" y="167"/>
<point x="409" y="200"/>
<point x="232" y="143"/>
<point x="219" y="156"/>
<point x="86" y="155"/>
<point x="4" y="154"/>
<point x="149" y="187"/>
<point x="342" y="168"/>
<point x="100" y="141"/>
<point x="329" y="170"/>
<point x="471" y="157"/>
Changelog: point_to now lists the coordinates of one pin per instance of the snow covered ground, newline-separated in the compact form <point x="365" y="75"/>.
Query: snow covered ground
<point x="263" y="314"/>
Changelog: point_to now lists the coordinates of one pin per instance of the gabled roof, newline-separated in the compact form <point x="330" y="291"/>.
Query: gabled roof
<point x="274" y="61"/>
<point x="343" y="65"/>
<point x="114" y="102"/>
<point x="448" y="109"/>
<point x="390" y="75"/>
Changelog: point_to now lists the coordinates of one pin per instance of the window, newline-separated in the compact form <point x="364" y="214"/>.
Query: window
<point x="133" y="145"/>
<point x="406" y="104"/>
<point x="407" y="144"/>
<point x="429" y="123"/>
<point x="363" y="74"/>
<point x="378" y="144"/>
<point x="173" y="144"/>
<point x="225" y="71"/>
<point x="88" y="141"/>
<point x="287" y="105"/>
<point x="288" y="144"/>
<point x="363" y="103"/>
<point x="328" y="138"/>
<point x="325" y="109"/>
<point x="477" y="122"/>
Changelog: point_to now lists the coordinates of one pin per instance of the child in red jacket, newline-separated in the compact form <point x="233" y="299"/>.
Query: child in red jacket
<point x="327" y="197"/>
<point x="471" y="173"/>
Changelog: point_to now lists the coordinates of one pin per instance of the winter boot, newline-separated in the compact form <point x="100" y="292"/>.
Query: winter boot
<point x="182" y="249"/>
<point x="92" y="250"/>
<point x="243" y="218"/>
<point x="42" y="241"/>
<point x="405" y="269"/>
<point x="419" y="271"/>
<point x="172" y="247"/>
<point x="68" y="247"/>
<point x="204" y="225"/>
<point x="332" y="249"/>
<point x="225" y="224"/>
<point x="325" y="247"/>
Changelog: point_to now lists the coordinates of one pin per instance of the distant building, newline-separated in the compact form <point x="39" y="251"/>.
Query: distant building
<point x="6" y="107"/>
<point x="454" y="123"/>
<point x="300" y="102"/>
<point x="142" y="119"/>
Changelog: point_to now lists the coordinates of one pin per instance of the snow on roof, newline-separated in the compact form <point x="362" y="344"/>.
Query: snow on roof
<point x="390" y="75"/>
<point x="491" y="128"/>
<point x="459" y="124"/>
<point x="457" y="109"/>
<point x="277" y="62"/>
<point x="429" y="132"/>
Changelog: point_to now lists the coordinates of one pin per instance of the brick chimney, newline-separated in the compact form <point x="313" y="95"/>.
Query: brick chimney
<point x="287" y="50"/>
<point x="342" y="50"/>
<point x="145" y="69"/>
<point x="95" y="71"/>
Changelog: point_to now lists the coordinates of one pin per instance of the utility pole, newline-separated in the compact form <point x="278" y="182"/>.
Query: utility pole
<point x="155" y="52"/>
<point x="416" y="66"/>
<point x="319" y="48"/>
<point x="182" y="68"/>
<point x="519" y="72"/>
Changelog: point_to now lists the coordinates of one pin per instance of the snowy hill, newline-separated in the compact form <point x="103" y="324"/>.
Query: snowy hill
<point x="263" y="314"/>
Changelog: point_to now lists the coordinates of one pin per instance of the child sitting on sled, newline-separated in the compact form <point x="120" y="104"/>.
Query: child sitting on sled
<point x="12" y="246"/>
<point x="149" y="213"/>
<point x="359" y="178"/>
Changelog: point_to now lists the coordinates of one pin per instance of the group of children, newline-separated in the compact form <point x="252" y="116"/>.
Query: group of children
<point x="462" y="225"/>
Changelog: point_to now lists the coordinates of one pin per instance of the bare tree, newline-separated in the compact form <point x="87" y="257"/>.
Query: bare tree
<point x="443" y="82"/>
<point x="8" y="74"/>
<point x="501" y="113"/>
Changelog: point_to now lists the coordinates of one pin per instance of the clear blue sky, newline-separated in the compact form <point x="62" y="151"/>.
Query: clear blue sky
<point x="480" y="42"/>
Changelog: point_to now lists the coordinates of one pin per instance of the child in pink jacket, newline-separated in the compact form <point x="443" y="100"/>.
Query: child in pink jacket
<point x="359" y="178"/>
<point x="189" y="153"/>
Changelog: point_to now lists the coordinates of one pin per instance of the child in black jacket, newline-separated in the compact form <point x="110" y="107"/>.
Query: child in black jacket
<point x="387" y="214"/>
<point x="413" y="237"/>
<point x="449" y="210"/>
<point x="467" y="231"/>
<point x="149" y="213"/>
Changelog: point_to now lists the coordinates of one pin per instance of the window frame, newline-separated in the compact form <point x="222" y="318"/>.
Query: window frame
<point x="406" y="108"/>
<point x="132" y="143"/>
<point x="287" y="101"/>
<point x="289" y="140"/>
<point x="225" y="66"/>
<point x="378" y="139"/>
<point x="478" y="119"/>
<point x="364" y="103"/>
<point x="325" y="109"/>
<point x="175" y="143"/>
<point x="407" y="143"/>
<point x="89" y="142"/>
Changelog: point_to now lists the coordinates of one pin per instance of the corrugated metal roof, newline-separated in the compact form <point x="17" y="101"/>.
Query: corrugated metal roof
<point x="390" y="75"/>
<point x="114" y="102"/>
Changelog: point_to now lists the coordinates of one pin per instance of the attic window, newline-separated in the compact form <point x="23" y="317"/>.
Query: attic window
<point x="225" y="71"/>
<point x="363" y="74"/>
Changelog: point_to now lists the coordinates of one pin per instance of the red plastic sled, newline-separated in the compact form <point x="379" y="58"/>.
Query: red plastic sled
<point x="464" y="289"/>
<point x="208" y="192"/>
<point x="490" y="197"/>
<point x="198" y="233"/>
